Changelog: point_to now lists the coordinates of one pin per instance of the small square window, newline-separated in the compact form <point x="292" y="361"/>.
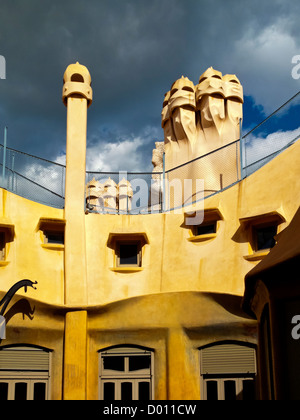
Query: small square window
<point x="264" y="237"/>
<point x="54" y="237"/>
<point x="129" y="254"/>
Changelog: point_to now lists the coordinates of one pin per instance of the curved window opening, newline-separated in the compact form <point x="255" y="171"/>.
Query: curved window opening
<point x="76" y="77"/>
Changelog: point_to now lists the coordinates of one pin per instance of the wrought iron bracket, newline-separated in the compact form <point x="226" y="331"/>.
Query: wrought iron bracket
<point x="12" y="291"/>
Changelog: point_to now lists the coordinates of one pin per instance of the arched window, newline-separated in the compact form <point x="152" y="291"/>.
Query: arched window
<point x="24" y="373"/>
<point x="126" y="374"/>
<point x="76" y="77"/>
<point x="228" y="371"/>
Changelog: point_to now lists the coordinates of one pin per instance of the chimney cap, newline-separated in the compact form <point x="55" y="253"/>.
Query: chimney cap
<point x="77" y="81"/>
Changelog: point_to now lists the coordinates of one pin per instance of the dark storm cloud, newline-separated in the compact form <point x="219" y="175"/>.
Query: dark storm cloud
<point x="127" y="46"/>
<point x="134" y="50"/>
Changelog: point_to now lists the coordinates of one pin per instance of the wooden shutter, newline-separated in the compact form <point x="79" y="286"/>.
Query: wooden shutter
<point x="24" y="359"/>
<point x="228" y="359"/>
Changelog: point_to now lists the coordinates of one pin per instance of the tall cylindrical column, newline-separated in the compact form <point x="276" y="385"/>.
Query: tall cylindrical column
<point x="77" y="96"/>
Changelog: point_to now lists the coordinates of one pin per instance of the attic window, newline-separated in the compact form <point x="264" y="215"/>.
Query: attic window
<point x="7" y="232"/>
<point x="206" y="228"/>
<point x="52" y="233"/>
<point x="76" y="77"/>
<point x="128" y="251"/>
<point x="129" y="254"/>
<point x="54" y="237"/>
<point x="264" y="236"/>
<point x="260" y="231"/>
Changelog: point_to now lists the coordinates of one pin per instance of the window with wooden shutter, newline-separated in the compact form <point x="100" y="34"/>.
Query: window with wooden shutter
<point x="24" y="373"/>
<point x="228" y="372"/>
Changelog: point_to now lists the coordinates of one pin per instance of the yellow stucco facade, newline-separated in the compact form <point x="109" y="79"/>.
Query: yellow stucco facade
<point x="186" y="293"/>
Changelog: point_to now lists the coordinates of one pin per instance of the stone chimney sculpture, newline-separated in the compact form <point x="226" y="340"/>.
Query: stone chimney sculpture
<point x="198" y="120"/>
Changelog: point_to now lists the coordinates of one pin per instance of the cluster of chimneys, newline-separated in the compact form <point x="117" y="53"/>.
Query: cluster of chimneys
<point x="109" y="196"/>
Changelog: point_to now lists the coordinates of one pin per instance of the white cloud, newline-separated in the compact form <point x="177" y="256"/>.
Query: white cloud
<point x="116" y="156"/>
<point x="124" y="155"/>
<point x="257" y="148"/>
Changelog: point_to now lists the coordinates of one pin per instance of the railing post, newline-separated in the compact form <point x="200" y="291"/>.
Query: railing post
<point x="164" y="184"/>
<point x="241" y="149"/>
<point x="4" y="156"/>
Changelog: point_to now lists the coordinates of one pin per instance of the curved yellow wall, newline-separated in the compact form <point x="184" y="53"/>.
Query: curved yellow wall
<point x="185" y="295"/>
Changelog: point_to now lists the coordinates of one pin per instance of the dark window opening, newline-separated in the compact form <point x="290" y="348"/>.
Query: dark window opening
<point x="129" y="255"/>
<point x="265" y="237"/>
<point x="39" y="391"/>
<point x="109" y="391"/>
<point x="139" y="362"/>
<point x="3" y="391"/>
<point x="21" y="391"/>
<point x="144" y="391"/>
<point x="76" y="77"/>
<point x="2" y="246"/>
<point x="126" y="391"/>
<point x="206" y="229"/>
<point x="212" y="390"/>
<point x="114" y="363"/>
<point x="248" y="390"/>
<point x="230" y="390"/>
<point x="55" y="238"/>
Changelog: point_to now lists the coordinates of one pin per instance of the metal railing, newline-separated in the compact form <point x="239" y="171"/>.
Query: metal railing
<point x="35" y="178"/>
<point x="277" y="132"/>
<point x="43" y="181"/>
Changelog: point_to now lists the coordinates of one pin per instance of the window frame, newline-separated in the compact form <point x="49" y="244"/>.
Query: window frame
<point x="251" y="223"/>
<point x="213" y="223"/>
<point x="31" y="376"/>
<point x="48" y="226"/>
<point x="49" y="232"/>
<point x="220" y="380"/>
<point x="116" y="238"/>
<point x="30" y="382"/>
<point x="211" y="216"/>
<point x="8" y="232"/>
<point x="223" y="375"/>
<point x="254" y="235"/>
<point x="118" y="377"/>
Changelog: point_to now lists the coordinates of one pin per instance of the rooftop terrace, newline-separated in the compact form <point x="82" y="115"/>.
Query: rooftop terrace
<point x="43" y="181"/>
